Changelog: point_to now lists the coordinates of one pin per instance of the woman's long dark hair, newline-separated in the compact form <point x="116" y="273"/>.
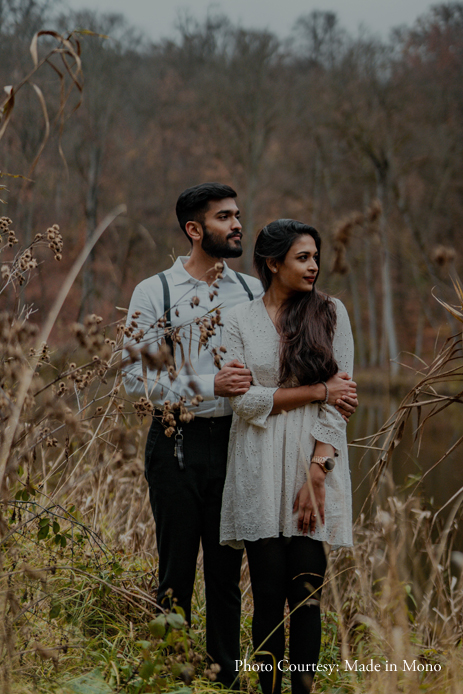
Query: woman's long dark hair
<point x="307" y="320"/>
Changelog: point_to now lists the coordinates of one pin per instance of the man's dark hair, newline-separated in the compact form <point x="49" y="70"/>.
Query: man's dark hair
<point x="193" y="203"/>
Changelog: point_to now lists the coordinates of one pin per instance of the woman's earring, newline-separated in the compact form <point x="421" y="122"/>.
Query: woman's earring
<point x="274" y="269"/>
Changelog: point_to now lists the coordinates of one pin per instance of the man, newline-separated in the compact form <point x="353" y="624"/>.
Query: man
<point x="186" y="471"/>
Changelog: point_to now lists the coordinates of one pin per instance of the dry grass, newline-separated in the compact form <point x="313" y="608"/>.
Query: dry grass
<point x="78" y="573"/>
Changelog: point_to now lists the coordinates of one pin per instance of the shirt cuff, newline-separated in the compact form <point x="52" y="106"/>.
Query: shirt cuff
<point x="206" y="385"/>
<point x="329" y="430"/>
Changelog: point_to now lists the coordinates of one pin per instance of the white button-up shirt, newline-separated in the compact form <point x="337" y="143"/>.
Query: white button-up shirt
<point x="198" y="367"/>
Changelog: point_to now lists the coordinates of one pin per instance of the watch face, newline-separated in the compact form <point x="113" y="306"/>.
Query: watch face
<point x="329" y="464"/>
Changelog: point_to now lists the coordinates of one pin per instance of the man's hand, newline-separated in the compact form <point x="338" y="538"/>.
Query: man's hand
<point x="347" y="406"/>
<point x="232" y="379"/>
<point x="343" y="394"/>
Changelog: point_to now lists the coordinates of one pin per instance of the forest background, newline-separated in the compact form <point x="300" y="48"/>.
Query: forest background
<point x="361" y="138"/>
<point x="317" y="127"/>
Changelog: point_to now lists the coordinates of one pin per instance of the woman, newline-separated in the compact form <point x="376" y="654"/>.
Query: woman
<point x="288" y="472"/>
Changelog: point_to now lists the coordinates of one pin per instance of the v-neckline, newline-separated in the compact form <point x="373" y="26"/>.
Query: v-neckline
<point x="269" y="317"/>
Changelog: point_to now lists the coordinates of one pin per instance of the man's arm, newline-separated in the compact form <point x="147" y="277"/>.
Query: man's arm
<point x="145" y="311"/>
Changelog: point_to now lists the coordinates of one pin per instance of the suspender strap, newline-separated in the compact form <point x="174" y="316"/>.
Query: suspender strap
<point x="245" y="285"/>
<point x="166" y="292"/>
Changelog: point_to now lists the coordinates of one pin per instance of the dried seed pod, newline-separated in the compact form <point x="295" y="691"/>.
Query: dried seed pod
<point x="443" y="255"/>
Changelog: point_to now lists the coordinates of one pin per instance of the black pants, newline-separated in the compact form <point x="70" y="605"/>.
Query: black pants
<point x="287" y="569"/>
<point x="186" y="506"/>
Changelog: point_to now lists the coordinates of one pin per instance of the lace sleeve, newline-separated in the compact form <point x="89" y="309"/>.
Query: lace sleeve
<point x="255" y="405"/>
<point x="331" y="427"/>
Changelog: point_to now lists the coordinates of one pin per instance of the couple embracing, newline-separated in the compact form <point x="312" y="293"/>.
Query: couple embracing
<point x="263" y="464"/>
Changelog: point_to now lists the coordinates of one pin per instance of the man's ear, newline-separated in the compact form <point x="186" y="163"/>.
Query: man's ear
<point x="194" y="231"/>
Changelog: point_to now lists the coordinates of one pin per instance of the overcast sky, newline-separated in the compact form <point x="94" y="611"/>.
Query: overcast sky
<point x="156" y="17"/>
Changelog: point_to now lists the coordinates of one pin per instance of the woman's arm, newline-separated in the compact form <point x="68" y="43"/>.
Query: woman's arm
<point x="339" y="386"/>
<point x="310" y="500"/>
<point x="255" y="405"/>
<point x="330" y="426"/>
<point x="329" y="434"/>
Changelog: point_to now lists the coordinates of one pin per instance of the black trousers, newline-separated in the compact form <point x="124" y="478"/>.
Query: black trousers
<point x="186" y="507"/>
<point x="289" y="569"/>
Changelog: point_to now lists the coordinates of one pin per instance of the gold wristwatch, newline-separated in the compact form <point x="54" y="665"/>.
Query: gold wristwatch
<point x="325" y="461"/>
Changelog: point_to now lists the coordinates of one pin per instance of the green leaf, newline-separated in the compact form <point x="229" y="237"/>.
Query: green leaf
<point x="63" y="541"/>
<point x="179" y="610"/>
<point x="145" y="645"/>
<point x="43" y="532"/>
<point x="25" y="495"/>
<point x="92" y="683"/>
<point x="146" y="670"/>
<point x="176" y="621"/>
<point x="54" y="611"/>
<point x="117" y="568"/>
<point x="157" y="628"/>
<point x="43" y="522"/>
<point x="126" y="670"/>
<point x="19" y="495"/>
<point x="56" y="527"/>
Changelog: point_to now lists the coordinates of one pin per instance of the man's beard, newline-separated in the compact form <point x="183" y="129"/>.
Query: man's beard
<point x="217" y="248"/>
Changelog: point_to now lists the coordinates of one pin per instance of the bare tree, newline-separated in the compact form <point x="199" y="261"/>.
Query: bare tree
<point x="104" y="53"/>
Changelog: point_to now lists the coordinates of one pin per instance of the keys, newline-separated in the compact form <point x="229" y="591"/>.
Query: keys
<point x="178" y="449"/>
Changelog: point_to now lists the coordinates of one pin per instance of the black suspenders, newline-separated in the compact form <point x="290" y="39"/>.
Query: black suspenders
<point x="246" y="288"/>
<point x="166" y="294"/>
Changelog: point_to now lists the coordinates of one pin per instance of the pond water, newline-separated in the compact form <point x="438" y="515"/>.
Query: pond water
<point x="436" y="486"/>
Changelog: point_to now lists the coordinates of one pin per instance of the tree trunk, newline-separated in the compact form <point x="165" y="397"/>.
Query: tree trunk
<point x="91" y="209"/>
<point x="388" y="309"/>
<point x="317" y="187"/>
<point x="388" y="305"/>
<point x="249" y="206"/>
<point x="371" y="301"/>
<point x="249" y="246"/>
<point x="359" y="341"/>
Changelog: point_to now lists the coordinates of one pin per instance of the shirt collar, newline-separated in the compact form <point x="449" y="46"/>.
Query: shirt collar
<point x="181" y="276"/>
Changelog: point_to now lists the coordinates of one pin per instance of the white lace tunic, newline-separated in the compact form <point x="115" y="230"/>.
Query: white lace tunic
<point x="268" y="455"/>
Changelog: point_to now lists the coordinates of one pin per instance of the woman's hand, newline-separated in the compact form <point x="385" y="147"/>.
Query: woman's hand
<point x="312" y="490"/>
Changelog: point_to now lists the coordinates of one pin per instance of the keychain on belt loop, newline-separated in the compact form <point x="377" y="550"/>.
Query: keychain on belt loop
<point x="178" y="450"/>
